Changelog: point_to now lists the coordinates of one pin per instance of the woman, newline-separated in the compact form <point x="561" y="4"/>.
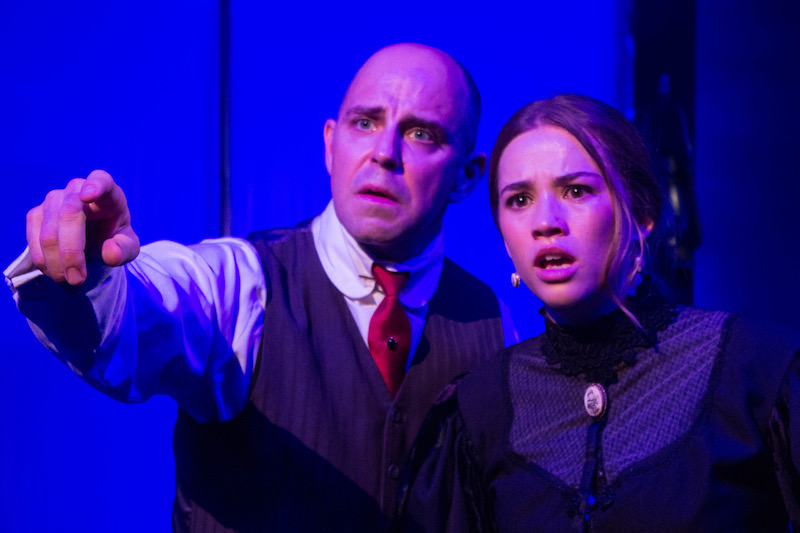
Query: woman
<point x="627" y="414"/>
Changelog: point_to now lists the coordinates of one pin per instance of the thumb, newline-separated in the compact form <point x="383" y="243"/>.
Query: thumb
<point x="121" y="247"/>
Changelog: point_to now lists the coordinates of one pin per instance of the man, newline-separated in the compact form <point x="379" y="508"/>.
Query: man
<point x="287" y="421"/>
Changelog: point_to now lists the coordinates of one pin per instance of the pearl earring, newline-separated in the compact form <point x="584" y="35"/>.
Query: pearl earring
<point x="515" y="280"/>
<point x="638" y="264"/>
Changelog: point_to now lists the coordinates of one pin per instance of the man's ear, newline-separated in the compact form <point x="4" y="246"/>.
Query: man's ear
<point x="327" y="134"/>
<point x="469" y="176"/>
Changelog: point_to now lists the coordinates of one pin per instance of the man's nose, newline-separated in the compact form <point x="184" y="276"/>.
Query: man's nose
<point x="387" y="150"/>
<point x="548" y="218"/>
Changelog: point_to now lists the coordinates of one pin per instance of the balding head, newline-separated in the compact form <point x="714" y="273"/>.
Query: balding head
<point x="401" y="148"/>
<point x="456" y="80"/>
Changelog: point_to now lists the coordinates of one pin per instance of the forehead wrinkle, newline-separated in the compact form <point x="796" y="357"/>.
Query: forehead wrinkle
<point x="425" y="79"/>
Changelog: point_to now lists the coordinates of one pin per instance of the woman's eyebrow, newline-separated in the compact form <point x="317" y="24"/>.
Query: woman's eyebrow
<point x="560" y="181"/>
<point x="566" y="179"/>
<point x="515" y="186"/>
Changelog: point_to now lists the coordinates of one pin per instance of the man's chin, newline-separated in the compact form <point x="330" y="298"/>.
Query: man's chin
<point x="375" y="228"/>
<point x="378" y="237"/>
<point x="383" y="241"/>
<point x="393" y="239"/>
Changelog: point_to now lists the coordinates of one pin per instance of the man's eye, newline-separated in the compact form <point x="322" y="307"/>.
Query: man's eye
<point x="364" y="124"/>
<point x="421" y="135"/>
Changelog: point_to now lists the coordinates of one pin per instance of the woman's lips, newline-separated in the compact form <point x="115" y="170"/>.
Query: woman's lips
<point x="554" y="265"/>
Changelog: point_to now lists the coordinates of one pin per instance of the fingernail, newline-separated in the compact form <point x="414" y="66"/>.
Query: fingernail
<point x="74" y="276"/>
<point x="88" y="189"/>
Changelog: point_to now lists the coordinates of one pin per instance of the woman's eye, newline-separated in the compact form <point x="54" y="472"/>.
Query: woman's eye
<point x="576" y="191"/>
<point x="518" y="200"/>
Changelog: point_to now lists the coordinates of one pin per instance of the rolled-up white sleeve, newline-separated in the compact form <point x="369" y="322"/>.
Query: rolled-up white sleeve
<point x="184" y="321"/>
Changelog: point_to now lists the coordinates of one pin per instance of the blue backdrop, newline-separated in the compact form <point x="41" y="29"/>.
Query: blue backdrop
<point x="134" y="88"/>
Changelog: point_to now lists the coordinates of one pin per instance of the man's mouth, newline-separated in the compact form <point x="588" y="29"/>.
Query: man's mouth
<point x="377" y="193"/>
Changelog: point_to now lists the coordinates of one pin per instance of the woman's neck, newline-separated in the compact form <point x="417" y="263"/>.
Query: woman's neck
<point x="580" y="315"/>
<point x="590" y="309"/>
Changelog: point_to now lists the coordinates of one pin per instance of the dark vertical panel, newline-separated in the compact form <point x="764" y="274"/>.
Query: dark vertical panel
<point x="748" y="83"/>
<point x="664" y="37"/>
<point x="664" y="89"/>
<point x="131" y="87"/>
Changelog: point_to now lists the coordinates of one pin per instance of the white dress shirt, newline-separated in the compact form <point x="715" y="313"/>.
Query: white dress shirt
<point x="186" y="321"/>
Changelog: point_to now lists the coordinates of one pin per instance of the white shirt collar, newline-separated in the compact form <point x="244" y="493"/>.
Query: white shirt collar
<point x="349" y="267"/>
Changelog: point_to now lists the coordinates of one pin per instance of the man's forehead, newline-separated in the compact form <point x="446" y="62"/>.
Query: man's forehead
<point x="422" y="82"/>
<point x="412" y="87"/>
<point x="408" y="56"/>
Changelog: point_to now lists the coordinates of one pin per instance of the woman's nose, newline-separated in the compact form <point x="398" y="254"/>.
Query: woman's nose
<point x="549" y="218"/>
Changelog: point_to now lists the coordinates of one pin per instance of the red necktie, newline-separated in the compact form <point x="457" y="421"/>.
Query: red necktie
<point x="389" y="336"/>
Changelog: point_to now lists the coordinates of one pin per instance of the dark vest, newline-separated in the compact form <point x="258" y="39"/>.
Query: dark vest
<point x="320" y="445"/>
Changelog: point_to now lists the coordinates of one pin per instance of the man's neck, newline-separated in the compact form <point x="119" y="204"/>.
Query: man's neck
<point x="401" y="251"/>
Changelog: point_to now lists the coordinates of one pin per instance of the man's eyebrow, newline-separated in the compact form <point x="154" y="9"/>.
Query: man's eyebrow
<point x="438" y="131"/>
<point x="363" y="111"/>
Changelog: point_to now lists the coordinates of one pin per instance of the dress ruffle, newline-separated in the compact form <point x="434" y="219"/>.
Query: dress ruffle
<point x="597" y="351"/>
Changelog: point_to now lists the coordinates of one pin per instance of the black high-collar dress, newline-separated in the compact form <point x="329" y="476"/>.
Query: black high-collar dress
<point x="701" y="431"/>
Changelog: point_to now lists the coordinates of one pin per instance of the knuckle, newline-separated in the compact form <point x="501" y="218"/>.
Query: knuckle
<point x="70" y="256"/>
<point x="54" y="196"/>
<point x="70" y="215"/>
<point x="38" y="260"/>
<point x="75" y="184"/>
<point x="48" y="240"/>
<point x="34" y="215"/>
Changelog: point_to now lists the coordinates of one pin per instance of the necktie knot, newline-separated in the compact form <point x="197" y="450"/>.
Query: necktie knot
<point x="391" y="282"/>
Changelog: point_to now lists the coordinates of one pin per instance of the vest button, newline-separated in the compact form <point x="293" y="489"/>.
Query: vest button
<point x="397" y="415"/>
<point x="393" y="471"/>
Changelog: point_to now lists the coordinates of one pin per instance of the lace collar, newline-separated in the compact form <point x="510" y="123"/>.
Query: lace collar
<point x="597" y="351"/>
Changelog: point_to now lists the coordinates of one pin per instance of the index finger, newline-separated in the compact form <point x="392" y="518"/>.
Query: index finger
<point x="97" y="184"/>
